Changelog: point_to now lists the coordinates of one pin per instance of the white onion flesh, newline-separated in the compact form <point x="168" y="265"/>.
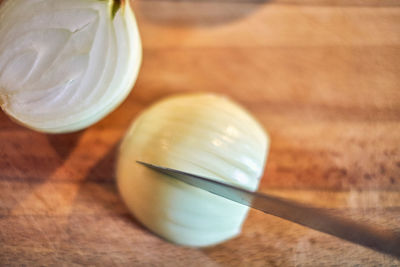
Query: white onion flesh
<point x="65" y="64"/>
<point x="203" y="134"/>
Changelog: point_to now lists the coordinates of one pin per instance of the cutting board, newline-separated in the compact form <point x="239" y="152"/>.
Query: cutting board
<point x="323" y="77"/>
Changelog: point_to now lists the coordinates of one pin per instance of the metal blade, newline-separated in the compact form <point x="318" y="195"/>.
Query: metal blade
<point x="318" y="219"/>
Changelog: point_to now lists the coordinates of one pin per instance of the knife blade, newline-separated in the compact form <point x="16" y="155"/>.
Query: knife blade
<point x="319" y="219"/>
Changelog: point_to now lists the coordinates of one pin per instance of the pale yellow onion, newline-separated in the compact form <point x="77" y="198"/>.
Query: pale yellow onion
<point x="203" y="134"/>
<point x="65" y="64"/>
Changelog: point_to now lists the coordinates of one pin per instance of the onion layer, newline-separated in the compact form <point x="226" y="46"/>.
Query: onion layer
<point x="203" y="134"/>
<point x="65" y="64"/>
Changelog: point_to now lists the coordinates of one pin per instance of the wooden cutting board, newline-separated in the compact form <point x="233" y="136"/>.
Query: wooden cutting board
<point x="322" y="76"/>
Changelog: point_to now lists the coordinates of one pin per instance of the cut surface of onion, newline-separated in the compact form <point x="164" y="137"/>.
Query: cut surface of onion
<point x="203" y="134"/>
<point x="65" y="64"/>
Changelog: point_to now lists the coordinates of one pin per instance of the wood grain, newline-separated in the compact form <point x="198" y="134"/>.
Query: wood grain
<point x="323" y="77"/>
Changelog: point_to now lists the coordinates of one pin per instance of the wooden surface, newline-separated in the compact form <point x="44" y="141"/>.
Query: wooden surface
<point x="322" y="76"/>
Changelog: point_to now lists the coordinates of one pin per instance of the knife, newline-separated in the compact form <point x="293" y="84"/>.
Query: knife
<point x="322" y="220"/>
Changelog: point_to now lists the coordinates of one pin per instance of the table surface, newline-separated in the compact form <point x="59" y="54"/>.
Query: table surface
<point x="323" y="77"/>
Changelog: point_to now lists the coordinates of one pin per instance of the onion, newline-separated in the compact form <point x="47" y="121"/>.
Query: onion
<point x="65" y="64"/>
<point x="203" y="134"/>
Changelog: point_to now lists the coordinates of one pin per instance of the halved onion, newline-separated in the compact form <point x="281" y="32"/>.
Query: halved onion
<point x="65" y="64"/>
<point x="202" y="134"/>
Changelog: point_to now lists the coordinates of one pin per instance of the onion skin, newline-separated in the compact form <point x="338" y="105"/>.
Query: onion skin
<point x="204" y="134"/>
<point x="64" y="65"/>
